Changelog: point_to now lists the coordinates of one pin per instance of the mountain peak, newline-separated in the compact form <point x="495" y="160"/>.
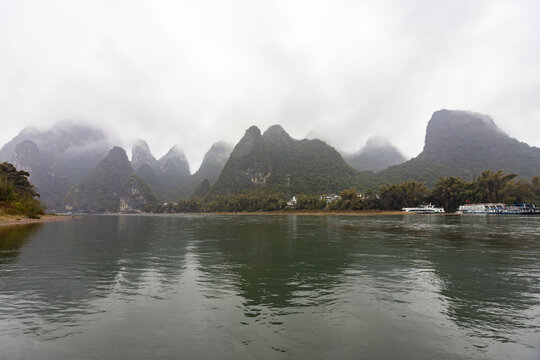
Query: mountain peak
<point x="275" y="130"/>
<point x="174" y="163"/>
<point x="262" y="162"/>
<point x="213" y="162"/>
<point x="277" y="135"/>
<point x="251" y="139"/>
<point x="100" y="190"/>
<point x="175" y="151"/>
<point x="141" y="154"/>
<point x="463" y="143"/>
<point x="458" y="126"/>
<point x="375" y="142"/>
<point x="377" y="154"/>
<point x="117" y="153"/>
<point x="253" y="131"/>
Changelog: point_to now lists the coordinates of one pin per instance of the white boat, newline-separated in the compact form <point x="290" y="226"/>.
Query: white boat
<point x="488" y="208"/>
<point x="499" y="209"/>
<point x="424" y="209"/>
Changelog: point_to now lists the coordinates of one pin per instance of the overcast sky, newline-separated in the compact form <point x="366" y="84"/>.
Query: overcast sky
<point x="195" y="72"/>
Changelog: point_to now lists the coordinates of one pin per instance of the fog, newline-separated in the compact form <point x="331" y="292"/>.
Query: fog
<point x="195" y="72"/>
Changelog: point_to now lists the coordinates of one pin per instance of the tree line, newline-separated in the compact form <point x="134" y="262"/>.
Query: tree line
<point x="17" y="194"/>
<point x="449" y="192"/>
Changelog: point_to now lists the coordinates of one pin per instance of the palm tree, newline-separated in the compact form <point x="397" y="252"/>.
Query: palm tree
<point x="449" y="192"/>
<point x="491" y="185"/>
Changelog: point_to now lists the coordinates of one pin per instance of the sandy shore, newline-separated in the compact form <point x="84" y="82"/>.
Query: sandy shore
<point x="6" y="220"/>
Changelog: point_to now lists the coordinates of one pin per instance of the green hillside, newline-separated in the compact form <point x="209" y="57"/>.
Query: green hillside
<point x="266" y="162"/>
<point x="100" y="190"/>
<point x="461" y="143"/>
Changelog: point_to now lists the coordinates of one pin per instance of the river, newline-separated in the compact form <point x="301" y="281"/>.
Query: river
<point x="271" y="287"/>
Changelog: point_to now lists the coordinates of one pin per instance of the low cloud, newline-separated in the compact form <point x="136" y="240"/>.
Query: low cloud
<point x="192" y="73"/>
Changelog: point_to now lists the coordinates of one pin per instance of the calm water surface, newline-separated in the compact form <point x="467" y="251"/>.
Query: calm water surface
<point x="271" y="287"/>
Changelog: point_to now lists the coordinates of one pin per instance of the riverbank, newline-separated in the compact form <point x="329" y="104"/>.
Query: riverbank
<point x="299" y="212"/>
<point x="6" y="220"/>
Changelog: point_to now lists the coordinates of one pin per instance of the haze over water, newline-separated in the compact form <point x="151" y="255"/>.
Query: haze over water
<point x="302" y="287"/>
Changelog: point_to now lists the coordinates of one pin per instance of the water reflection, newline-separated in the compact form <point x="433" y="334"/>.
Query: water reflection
<point x="490" y="278"/>
<point x="12" y="239"/>
<point x="298" y="284"/>
<point x="272" y="264"/>
<point x="485" y="269"/>
<point x="68" y="266"/>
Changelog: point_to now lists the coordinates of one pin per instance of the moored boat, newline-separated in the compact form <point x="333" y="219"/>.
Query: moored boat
<point x="482" y="209"/>
<point x="499" y="209"/>
<point x="424" y="209"/>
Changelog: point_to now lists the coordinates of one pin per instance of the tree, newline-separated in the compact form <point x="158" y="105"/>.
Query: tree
<point x="449" y="192"/>
<point x="17" y="194"/>
<point x="16" y="181"/>
<point x="519" y="191"/>
<point x="491" y="185"/>
<point x="406" y="194"/>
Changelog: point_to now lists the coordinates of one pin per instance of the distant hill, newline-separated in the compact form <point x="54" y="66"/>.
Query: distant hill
<point x="69" y="156"/>
<point x="213" y="163"/>
<point x="168" y="177"/>
<point x="56" y="158"/>
<point x="461" y="143"/>
<point x="101" y="189"/>
<point x="141" y="154"/>
<point x="378" y="154"/>
<point x="266" y="161"/>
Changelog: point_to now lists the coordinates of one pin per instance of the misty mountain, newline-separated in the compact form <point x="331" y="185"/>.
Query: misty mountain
<point x="168" y="177"/>
<point x="213" y="163"/>
<point x="56" y="158"/>
<point x="101" y="189"/>
<point x="141" y="154"/>
<point x="266" y="161"/>
<point x="378" y="154"/>
<point x="174" y="164"/>
<point x="461" y="143"/>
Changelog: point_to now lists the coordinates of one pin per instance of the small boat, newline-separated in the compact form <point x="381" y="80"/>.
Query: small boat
<point x="424" y="209"/>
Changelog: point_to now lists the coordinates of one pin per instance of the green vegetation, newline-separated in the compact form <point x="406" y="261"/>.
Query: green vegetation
<point x="268" y="162"/>
<point x="100" y="190"/>
<point x="17" y="194"/>
<point x="448" y="192"/>
<point x="460" y="143"/>
<point x="136" y="195"/>
<point x="406" y="194"/>
<point x="203" y="189"/>
<point x="451" y="192"/>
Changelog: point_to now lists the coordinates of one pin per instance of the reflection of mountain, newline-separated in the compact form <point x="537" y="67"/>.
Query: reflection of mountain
<point x="479" y="267"/>
<point x="67" y="266"/>
<point x="273" y="263"/>
<point x="436" y="285"/>
<point x="12" y="238"/>
<point x="487" y="289"/>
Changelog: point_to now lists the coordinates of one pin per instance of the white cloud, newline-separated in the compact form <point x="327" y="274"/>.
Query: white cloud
<point x="195" y="72"/>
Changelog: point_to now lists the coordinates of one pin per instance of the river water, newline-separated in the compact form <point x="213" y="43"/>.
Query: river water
<point x="271" y="287"/>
